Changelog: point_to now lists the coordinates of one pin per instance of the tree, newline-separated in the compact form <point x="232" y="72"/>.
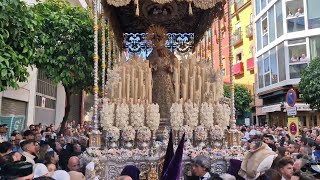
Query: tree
<point x="66" y="47"/>
<point x="242" y="97"/>
<point x="310" y="84"/>
<point x="18" y="27"/>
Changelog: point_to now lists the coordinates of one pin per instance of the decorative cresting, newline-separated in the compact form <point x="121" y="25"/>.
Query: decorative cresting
<point x="136" y="43"/>
<point x="202" y="4"/>
<point x="103" y="52"/>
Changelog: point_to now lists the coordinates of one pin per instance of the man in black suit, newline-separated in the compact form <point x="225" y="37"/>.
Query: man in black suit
<point x="201" y="169"/>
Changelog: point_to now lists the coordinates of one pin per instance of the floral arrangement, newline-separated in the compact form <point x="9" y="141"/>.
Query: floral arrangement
<point x="216" y="133"/>
<point x="128" y="133"/>
<point x="92" y="152"/>
<point x="144" y="134"/>
<point x="113" y="133"/>
<point x="219" y="116"/>
<point x="122" y="115"/>
<point x="137" y="115"/>
<point x="206" y="115"/>
<point x="107" y="114"/>
<point x="201" y="133"/>
<point x="187" y="130"/>
<point x="191" y="111"/>
<point x="227" y="115"/>
<point x="176" y="116"/>
<point x="153" y="117"/>
<point x="125" y="153"/>
<point x="235" y="153"/>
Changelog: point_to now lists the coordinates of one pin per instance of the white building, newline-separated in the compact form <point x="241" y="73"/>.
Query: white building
<point x="38" y="100"/>
<point x="287" y="38"/>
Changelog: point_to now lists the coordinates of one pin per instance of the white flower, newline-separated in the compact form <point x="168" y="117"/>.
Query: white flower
<point x="206" y="115"/>
<point x="222" y="115"/>
<point x="176" y="116"/>
<point x="122" y="115"/>
<point x="137" y="115"/>
<point x="153" y="117"/>
<point x="128" y="133"/>
<point x="187" y="130"/>
<point x="143" y="134"/>
<point x="216" y="133"/>
<point x="113" y="133"/>
<point x="107" y="114"/>
<point x="201" y="133"/>
<point x="191" y="113"/>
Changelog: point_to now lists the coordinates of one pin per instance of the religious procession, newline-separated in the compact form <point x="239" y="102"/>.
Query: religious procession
<point x="160" y="110"/>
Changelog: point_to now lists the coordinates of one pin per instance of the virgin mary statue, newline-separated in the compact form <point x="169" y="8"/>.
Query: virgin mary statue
<point x="162" y="63"/>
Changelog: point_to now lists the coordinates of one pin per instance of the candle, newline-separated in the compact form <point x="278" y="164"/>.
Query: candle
<point x="136" y="90"/>
<point x="128" y="87"/>
<point x="187" y="81"/>
<point x="132" y="81"/>
<point x="200" y="88"/>
<point x="150" y="85"/>
<point x="191" y="89"/>
<point x="120" y="91"/>
<point x="143" y="94"/>
<point x="184" y="92"/>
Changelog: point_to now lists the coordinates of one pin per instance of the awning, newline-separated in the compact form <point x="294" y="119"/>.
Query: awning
<point x="271" y="108"/>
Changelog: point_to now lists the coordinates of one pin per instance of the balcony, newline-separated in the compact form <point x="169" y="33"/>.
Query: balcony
<point x="238" y="69"/>
<point x="237" y="37"/>
<point x="250" y="64"/>
<point x="249" y="31"/>
<point x="238" y="4"/>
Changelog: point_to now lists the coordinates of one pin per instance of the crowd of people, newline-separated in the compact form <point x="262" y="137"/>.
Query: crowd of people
<point x="41" y="153"/>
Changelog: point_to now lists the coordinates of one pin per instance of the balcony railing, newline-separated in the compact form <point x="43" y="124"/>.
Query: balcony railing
<point x="237" y="37"/>
<point x="249" y="30"/>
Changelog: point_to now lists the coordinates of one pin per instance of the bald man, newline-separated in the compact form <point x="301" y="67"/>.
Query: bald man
<point x="74" y="164"/>
<point x="124" y="178"/>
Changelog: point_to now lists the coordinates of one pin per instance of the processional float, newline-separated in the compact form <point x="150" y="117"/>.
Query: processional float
<point x="143" y="99"/>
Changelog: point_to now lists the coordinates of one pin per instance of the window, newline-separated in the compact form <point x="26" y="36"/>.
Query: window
<point x="257" y="4"/>
<point x="272" y="28"/>
<point x="258" y="30"/>
<point x="263" y="3"/>
<point x="265" y="30"/>
<point x="295" y="16"/>
<point x="279" y="19"/>
<point x="260" y="72"/>
<point x="239" y="57"/>
<point x="298" y="57"/>
<point x="274" y="66"/>
<point x="281" y="62"/>
<point x="266" y="66"/>
<point x="315" y="46"/>
<point x="313" y="14"/>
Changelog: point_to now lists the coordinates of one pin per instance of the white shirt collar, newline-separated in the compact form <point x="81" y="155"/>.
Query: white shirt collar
<point x="206" y="176"/>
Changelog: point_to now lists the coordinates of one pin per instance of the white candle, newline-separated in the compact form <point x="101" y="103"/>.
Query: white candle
<point x="120" y="90"/>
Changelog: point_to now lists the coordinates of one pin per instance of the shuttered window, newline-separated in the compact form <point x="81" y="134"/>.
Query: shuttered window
<point x="13" y="107"/>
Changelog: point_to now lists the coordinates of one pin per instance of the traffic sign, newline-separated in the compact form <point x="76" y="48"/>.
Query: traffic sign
<point x="291" y="111"/>
<point x="291" y="97"/>
<point x="293" y="126"/>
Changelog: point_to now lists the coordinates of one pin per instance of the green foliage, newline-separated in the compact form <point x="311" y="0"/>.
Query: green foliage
<point x="242" y="97"/>
<point x="65" y="44"/>
<point x="18" y="27"/>
<point x="310" y="84"/>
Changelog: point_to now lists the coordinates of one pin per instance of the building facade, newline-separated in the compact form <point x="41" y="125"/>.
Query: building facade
<point x="287" y="38"/>
<point x="243" y="46"/>
<point x="210" y="43"/>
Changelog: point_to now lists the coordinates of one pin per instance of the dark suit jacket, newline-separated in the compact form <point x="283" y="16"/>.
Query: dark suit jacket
<point x="197" y="177"/>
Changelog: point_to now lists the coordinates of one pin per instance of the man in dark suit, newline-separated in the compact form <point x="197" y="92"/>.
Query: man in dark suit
<point x="201" y="169"/>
